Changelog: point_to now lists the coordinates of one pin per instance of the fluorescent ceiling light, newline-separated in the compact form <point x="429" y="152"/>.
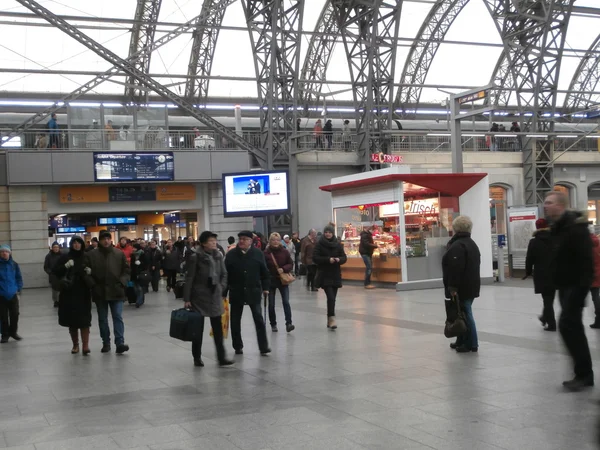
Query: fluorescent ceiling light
<point x="567" y="136"/>
<point x="438" y="134"/>
<point x="59" y="215"/>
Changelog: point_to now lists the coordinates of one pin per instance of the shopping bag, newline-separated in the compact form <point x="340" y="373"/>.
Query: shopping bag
<point x="184" y="324"/>
<point x="224" y="319"/>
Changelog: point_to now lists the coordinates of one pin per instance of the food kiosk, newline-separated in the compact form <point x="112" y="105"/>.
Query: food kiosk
<point x="410" y="218"/>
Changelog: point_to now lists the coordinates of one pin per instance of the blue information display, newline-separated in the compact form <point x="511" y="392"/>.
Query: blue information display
<point x="132" y="220"/>
<point x="138" y="166"/>
<point x="69" y="230"/>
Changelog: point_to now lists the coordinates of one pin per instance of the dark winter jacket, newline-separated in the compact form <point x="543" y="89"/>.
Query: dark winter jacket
<point x="329" y="274"/>
<point x="247" y="275"/>
<point x="11" y="280"/>
<point x="136" y="269"/>
<point x="171" y="259"/>
<point x="328" y="127"/>
<point x="460" y="267"/>
<point x="110" y="274"/>
<point x="596" y="253"/>
<point x="572" y="262"/>
<point x="75" y="303"/>
<point x="284" y="261"/>
<point x="154" y="256"/>
<point x="367" y="246"/>
<point x="205" y="282"/>
<point x="539" y="254"/>
<point x="50" y="261"/>
<point x="306" y="251"/>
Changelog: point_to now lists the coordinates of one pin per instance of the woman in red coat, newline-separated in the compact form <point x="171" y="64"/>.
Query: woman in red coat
<point x="595" y="289"/>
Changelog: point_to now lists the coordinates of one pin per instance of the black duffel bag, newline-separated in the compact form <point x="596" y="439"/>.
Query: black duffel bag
<point x="455" y="319"/>
<point x="184" y="324"/>
<point x="178" y="288"/>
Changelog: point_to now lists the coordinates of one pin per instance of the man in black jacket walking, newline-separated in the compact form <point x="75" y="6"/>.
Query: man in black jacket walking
<point x="572" y="269"/>
<point x="154" y="256"/>
<point x="248" y="280"/>
<point x="460" y="268"/>
<point x="366" y="248"/>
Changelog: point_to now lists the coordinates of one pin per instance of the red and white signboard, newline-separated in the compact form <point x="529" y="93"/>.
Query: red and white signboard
<point x="521" y="225"/>
<point x="382" y="158"/>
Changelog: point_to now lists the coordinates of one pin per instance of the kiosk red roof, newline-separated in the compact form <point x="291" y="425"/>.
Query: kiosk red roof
<point x="454" y="184"/>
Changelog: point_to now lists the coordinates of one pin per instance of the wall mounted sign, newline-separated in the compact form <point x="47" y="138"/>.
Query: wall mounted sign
<point x="127" y="193"/>
<point x="383" y="158"/>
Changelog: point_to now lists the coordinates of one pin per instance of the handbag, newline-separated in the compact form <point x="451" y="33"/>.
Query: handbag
<point x="286" y="278"/>
<point x="184" y="324"/>
<point x="455" y="319"/>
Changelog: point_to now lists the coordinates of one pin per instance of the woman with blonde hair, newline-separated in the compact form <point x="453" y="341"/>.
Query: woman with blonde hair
<point x="279" y="261"/>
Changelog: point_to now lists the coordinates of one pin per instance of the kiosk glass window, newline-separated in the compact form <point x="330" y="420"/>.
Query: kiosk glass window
<point x="498" y="210"/>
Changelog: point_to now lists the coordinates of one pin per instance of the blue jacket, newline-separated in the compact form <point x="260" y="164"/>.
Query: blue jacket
<point x="53" y="126"/>
<point x="11" y="280"/>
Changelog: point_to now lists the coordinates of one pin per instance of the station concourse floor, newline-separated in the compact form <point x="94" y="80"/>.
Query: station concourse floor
<point x="386" y="379"/>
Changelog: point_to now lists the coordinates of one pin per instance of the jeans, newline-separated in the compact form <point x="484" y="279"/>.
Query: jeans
<point x="311" y="271"/>
<point x="548" y="312"/>
<point x="596" y="299"/>
<point x="469" y="339"/>
<point x="9" y="316"/>
<point x="368" y="260"/>
<point x="215" y="323"/>
<point x="285" y="299"/>
<point x="331" y="294"/>
<point x="139" y="294"/>
<point x="116" y="311"/>
<point x="570" y="325"/>
<point x="171" y="277"/>
<point x="236" y="326"/>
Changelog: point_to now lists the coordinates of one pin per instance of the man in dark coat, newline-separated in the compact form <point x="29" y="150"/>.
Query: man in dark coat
<point x="298" y="247"/>
<point x="107" y="274"/>
<point x="366" y="248"/>
<point x="306" y="249"/>
<point x="572" y="269"/>
<point x="460" y="268"/>
<point x="248" y="281"/>
<point x="171" y="263"/>
<point x="537" y="262"/>
<point x="154" y="261"/>
<point x="49" y="263"/>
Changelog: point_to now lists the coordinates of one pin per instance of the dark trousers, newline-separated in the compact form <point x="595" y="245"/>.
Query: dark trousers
<point x="9" y="316"/>
<point x="596" y="299"/>
<point x="236" y="326"/>
<point x="154" y="279"/>
<point x="548" y="311"/>
<point x="215" y="323"/>
<point x="296" y="263"/>
<point x="331" y="294"/>
<point x="311" y="271"/>
<point x="171" y="275"/>
<point x="368" y="260"/>
<point x="571" y="329"/>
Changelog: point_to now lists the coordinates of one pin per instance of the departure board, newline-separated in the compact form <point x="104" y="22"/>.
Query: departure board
<point x="138" y="166"/>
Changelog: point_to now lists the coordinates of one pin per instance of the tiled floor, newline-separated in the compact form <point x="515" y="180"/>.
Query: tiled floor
<point x="385" y="379"/>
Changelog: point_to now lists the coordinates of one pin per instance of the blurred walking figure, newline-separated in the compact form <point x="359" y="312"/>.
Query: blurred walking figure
<point x="318" y="133"/>
<point x="460" y="268"/>
<point x="306" y="253"/>
<point x="572" y="269"/>
<point x="328" y="131"/>
<point x="595" y="290"/>
<point x="50" y="262"/>
<point x="279" y="261"/>
<point x="539" y="254"/>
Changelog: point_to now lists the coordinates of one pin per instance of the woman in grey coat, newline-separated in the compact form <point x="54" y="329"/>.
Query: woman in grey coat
<point x="205" y="282"/>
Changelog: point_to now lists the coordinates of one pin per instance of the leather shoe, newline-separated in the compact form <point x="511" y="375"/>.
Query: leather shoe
<point x="239" y="351"/>
<point x="274" y="328"/>
<point x="466" y="349"/>
<point x="265" y="352"/>
<point x="4" y="340"/>
<point x="198" y="363"/>
<point x="105" y="349"/>
<point x="453" y="345"/>
<point x="122" y="348"/>
<point x="226" y="362"/>
<point x="578" y="383"/>
<point x="290" y="327"/>
<point x="16" y="337"/>
<point x="550" y="328"/>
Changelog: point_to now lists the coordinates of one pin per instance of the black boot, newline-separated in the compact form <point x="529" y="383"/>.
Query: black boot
<point x="579" y="383"/>
<point x="198" y="362"/>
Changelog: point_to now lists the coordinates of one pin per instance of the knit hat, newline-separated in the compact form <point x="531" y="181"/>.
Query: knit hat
<point x="245" y="233"/>
<point x="5" y="248"/>
<point x="329" y="228"/>
<point x="287" y="236"/>
<point x="541" y="223"/>
<point x="104" y="234"/>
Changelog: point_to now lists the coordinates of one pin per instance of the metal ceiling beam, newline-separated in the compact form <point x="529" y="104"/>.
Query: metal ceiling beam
<point x="142" y="36"/>
<point x="369" y="31"/>
<point x="275" y="28"/>
<point x="113" y="71"/>
<point x="585" y="79"/>
<point x="143" y="78"/>
<point x="317" y="58"/>
<point x="533" y="34"/>
<point x="423" y="51"/>
<point x="501" y="78"/>
<point x="204" y="44"/>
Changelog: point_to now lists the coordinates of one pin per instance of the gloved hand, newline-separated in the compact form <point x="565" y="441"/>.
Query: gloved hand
<point x="88" y="271"/>
<point x="70" y="263"/>
<point x="137" y="263"/>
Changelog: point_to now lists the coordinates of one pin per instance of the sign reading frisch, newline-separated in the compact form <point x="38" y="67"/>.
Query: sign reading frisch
<point x="382" y="158"/>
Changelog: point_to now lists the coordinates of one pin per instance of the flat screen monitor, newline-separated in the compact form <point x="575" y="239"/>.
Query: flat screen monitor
<point x="70" y="230"/>
<point x="256" y="193"/>
<point x="138" y="166"/>
<point x="129" y="220"/>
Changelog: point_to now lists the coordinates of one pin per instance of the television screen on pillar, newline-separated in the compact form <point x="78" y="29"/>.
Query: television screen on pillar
<point x="256" y="193"/>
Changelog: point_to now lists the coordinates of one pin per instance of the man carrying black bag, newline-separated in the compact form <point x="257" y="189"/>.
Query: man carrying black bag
<point x="460" y="267"/>
<point x="248" y="279"/>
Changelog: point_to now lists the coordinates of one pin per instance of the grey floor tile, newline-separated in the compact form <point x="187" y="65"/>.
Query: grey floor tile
<point x="458" y="408"/>
<point x="111" y="425"/>
<point x="40" y="435"/>
<point x="265" y="437"/>
<point x="385" y="440"/>
<point x="150" y="436"/>
<point x="210" y="442"/>
<point x="88" y="443"/>
<point x="224" y="426"/>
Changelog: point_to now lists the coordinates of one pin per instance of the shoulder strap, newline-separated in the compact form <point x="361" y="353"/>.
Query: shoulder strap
<point x="274" y="261"/>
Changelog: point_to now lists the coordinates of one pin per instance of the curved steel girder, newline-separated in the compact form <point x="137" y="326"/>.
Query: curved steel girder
<point x="316" y="62"/>
<point x="204" y="43"/>
<point x="585" y="79"/>
<point x="422" y="52"/>
<point x="501" y="77"/>
<point x="142" y="36"/>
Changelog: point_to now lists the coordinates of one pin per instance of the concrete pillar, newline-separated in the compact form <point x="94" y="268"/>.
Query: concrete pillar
<point x="28" y="231"/>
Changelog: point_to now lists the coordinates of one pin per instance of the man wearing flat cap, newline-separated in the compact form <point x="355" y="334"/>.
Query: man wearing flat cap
<point x="248" y="280"/>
